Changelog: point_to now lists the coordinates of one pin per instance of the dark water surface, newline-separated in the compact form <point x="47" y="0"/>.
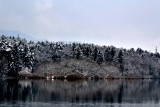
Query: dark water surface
<point x="101" y="93"/>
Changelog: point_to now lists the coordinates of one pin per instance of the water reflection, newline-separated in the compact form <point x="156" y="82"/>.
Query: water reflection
<point x="101" y="92"/>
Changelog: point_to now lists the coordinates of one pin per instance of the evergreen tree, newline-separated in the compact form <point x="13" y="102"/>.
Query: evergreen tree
<point x="4" y="62"/>
<point x="94" y="54"/>
<point x="73" y="49"/>
<point x="25" y="56"/>
<point x="139" y="51"/>
<point x="120" y="60"/>
<point x="28" y="57"/>
<point x="87" y="51"/>
<point x="99" y="58"/>
<point x="112" y="53"/>
<point x="15" y="64"/>
<point x="78" y="53"/>
<point x="109" y="54"/>
<point x="31" y="57"/>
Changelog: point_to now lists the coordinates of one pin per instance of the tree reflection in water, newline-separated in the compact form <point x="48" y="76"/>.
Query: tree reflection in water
<point x="101" y="91"/>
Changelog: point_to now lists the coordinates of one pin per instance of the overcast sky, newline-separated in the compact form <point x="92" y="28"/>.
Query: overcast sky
<point x="122" y="23"/>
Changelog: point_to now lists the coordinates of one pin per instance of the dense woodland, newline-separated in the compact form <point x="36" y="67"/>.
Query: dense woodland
<point x="17" y="54"/>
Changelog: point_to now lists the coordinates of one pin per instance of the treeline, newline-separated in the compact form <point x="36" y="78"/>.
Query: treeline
<point x="17" y="54"/>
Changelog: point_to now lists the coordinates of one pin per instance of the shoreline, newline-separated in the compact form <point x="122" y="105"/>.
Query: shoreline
<point x="72" y="76"/>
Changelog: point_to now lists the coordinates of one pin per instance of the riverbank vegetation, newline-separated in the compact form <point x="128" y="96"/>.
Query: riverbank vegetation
<point x="74" y="60"/>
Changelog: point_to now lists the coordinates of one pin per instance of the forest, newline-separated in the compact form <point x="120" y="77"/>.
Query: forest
<point x="85" y="60"/>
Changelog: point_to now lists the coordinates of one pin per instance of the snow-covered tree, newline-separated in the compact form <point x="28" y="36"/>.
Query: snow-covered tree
<point x="17" y="54"/>
<point x="94" y="54"/>
<point x="99" y="58"/>
<point x="120" y="59"/>
<point x="78" y="52"/>
<point x="109" y="54"/>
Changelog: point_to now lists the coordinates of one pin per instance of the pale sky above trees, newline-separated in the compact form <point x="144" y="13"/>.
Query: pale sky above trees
<point x="122" y="23"/>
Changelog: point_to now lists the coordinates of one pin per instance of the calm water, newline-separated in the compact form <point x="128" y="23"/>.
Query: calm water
<point x="102" y="93"/>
